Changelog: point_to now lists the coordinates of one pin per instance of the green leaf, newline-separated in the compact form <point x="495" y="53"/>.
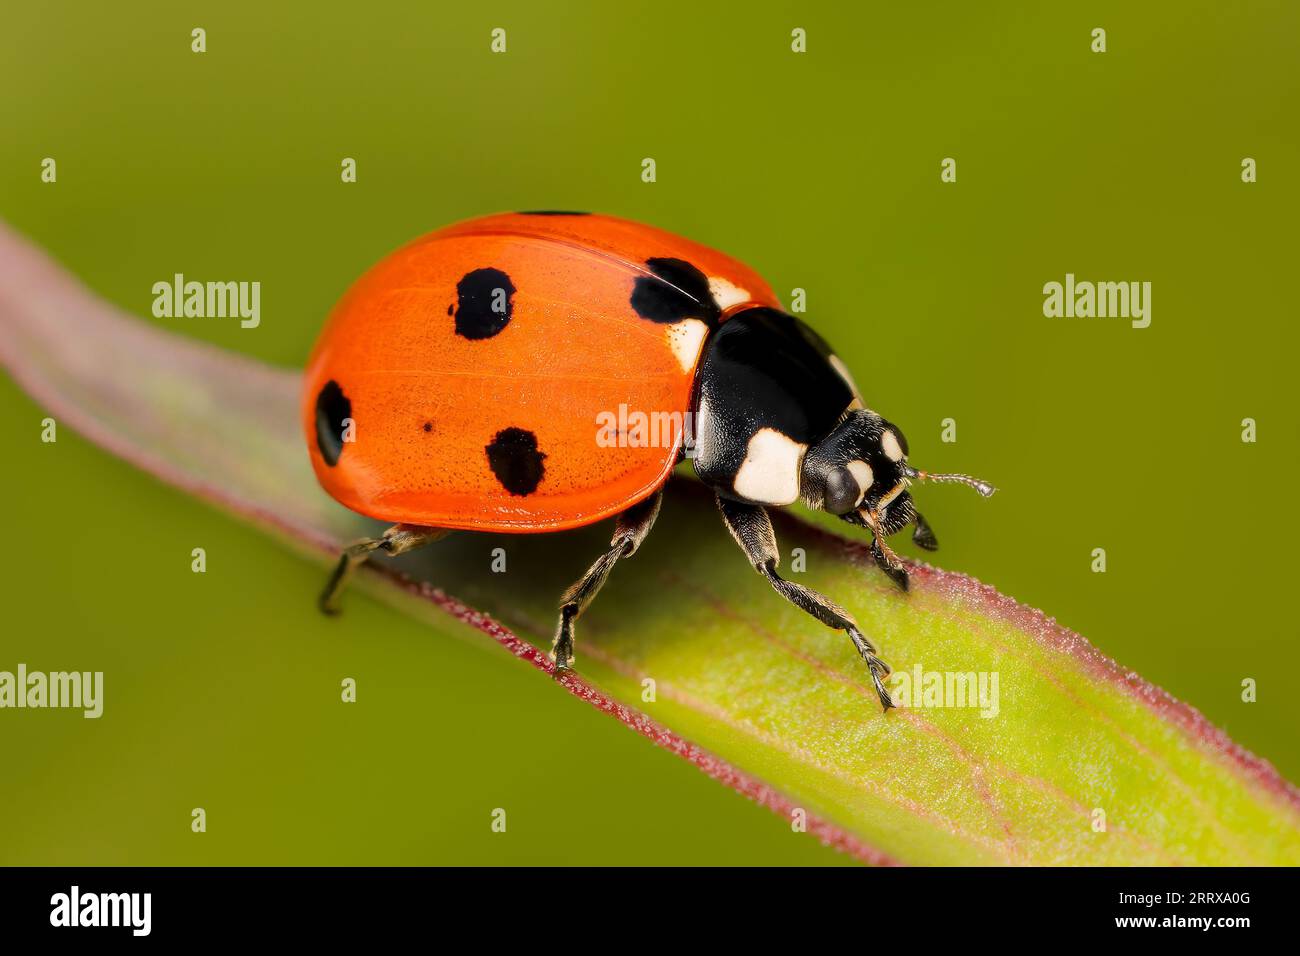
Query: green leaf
<point x="745" y="686"/>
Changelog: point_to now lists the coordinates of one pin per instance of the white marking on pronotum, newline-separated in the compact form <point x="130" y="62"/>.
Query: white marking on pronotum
<point x="685" y="338"/>
<point x="861" y="473"/>
<point x="770" y="472"/>
<point x="725" y="294"/>
<point x="843" y="371"/>
<point x="889" y="443"/>
<point x="701" y="442"/>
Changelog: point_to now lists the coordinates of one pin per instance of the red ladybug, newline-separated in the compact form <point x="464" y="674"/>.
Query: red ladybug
<point x="537" y="371"/>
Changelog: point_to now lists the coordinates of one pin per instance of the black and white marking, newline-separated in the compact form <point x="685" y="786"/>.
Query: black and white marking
<point x="676" y="290"/>
<point x="766" y="391"/>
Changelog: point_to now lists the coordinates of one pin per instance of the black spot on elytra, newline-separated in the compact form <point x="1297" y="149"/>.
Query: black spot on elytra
<point x="428" y="426"/>
<point x="515" y="460"/>
<point x="676" y="291"/>
<point x="551" y="212"/>
<point x="332" y="407"/>
<point x="483" y="303"/>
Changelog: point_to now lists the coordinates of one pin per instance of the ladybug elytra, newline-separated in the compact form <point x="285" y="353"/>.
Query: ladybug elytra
<point x="461" y="383"/>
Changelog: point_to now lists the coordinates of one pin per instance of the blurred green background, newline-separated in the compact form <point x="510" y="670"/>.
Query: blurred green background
<point x="819" y="169"/>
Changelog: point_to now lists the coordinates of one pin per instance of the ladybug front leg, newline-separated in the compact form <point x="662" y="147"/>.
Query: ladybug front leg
<point x="923" y="535"/>
<point x="752" y="529"/>
<point x="630" y="530"/>
<point x="398" y="539"/>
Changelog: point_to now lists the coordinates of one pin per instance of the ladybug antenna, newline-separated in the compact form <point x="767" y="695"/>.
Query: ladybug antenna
<point x="983" y="487"/>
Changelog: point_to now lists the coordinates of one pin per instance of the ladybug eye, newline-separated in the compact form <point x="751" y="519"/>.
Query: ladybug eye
<point x="842" y="492"/>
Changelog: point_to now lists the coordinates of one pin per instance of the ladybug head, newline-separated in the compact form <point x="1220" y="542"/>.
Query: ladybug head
<point x="860" y="472"/>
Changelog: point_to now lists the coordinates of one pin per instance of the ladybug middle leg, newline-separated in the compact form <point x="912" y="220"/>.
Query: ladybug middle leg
<point x="752" y="529"/>
<point x="630" y="530"/>
<point x="398" y="539"/>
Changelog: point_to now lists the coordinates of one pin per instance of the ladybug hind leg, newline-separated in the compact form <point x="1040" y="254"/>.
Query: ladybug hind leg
<point x="398" y="539"/>
<point x="630" y="530"/>
<point x="752" y="529"/>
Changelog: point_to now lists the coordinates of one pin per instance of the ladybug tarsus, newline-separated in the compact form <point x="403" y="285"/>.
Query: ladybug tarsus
<point x="398" y="539"/>
<point x="879" y="669"/>
<point x="888" y="562"/>
<point x="352" y="556"/>
<point x="561" y="654"/>
<point x="923" y="536"/>
<point x="630" y="530"/>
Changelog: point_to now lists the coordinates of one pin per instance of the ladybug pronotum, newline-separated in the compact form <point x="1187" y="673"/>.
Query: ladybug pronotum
<point x="458" y="385"/>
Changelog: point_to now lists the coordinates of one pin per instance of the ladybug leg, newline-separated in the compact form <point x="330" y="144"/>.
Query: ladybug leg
<point x="752" y="529"/>
<point x="888" y="562"/>
<point x="398" y="539"/>
<point x="630" y="530"/>
<point x="884" y="555"/>
<point x="923" y="536"/>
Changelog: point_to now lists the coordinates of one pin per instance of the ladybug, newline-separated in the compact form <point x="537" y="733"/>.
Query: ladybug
<point x="508" y="373"/>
